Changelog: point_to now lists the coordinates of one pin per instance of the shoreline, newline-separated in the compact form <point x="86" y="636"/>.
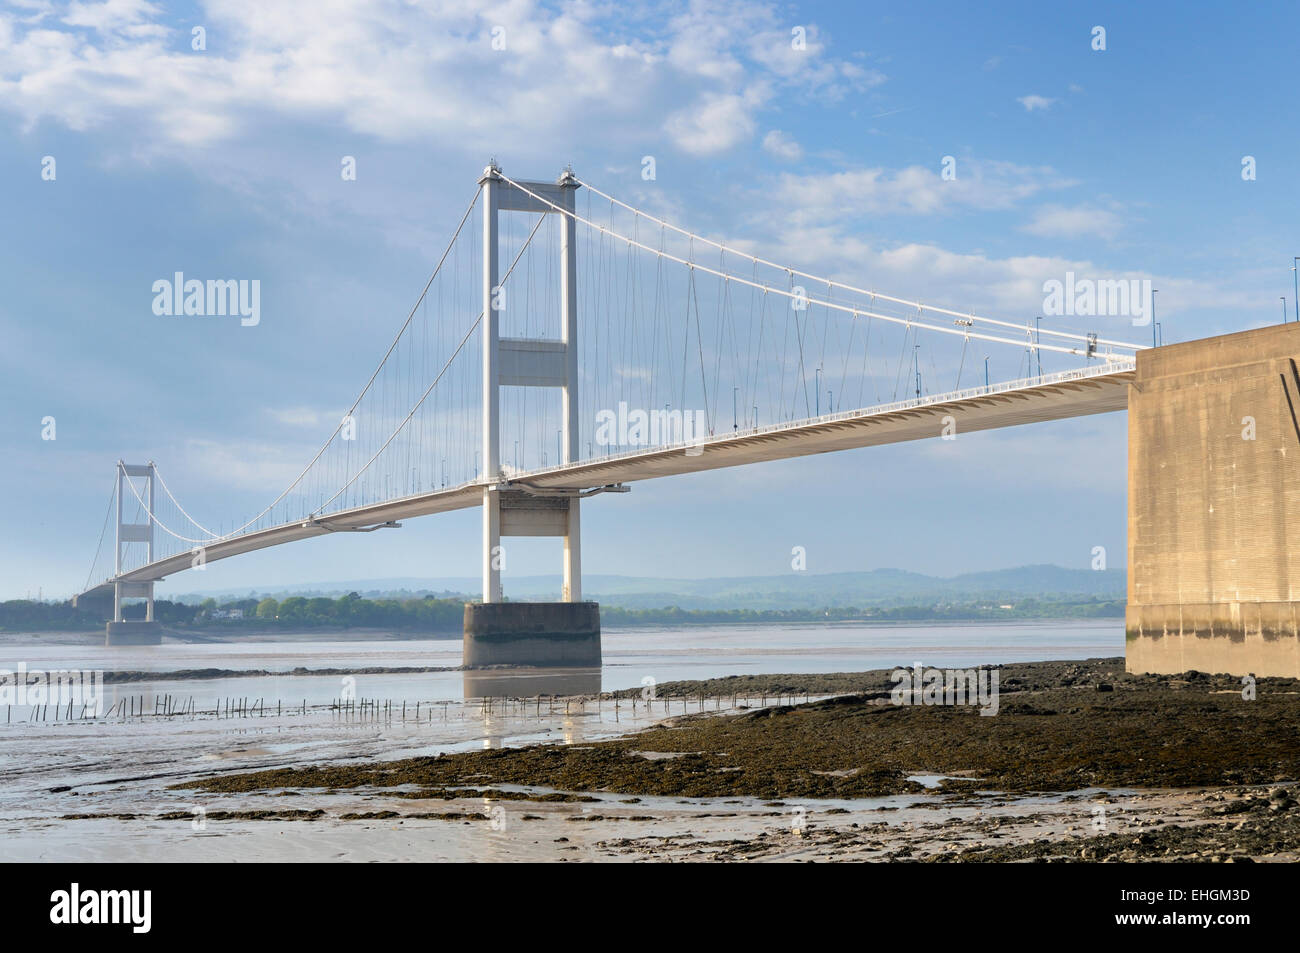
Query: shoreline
<point x="1149" y="767"/>
<point x="232" y="634"/>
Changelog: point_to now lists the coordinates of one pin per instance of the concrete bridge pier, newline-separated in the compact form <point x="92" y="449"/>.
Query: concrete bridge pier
<point x="530" y="634"/>
<point x="133" y="633"/>
<point x="1214" y="489"/>
<point x="120" y="631"/>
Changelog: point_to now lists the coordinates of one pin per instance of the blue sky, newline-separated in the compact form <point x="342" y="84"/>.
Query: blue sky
<point x="1125" y="161"/>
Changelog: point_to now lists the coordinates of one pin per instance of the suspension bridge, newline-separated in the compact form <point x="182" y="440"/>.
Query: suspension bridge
<point x="570" y="345"/>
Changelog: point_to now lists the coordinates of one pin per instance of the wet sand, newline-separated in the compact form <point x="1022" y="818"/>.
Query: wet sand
<point x="1082" y="762"/>
<point x="355" y="826"/>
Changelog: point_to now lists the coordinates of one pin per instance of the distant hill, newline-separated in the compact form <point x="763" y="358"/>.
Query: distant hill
<point x="880" y="587"/>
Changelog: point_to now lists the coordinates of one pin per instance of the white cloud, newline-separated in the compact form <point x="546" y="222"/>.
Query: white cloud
<point x="782" y="146"/>
<point x="129" y="17"/>
<point x="405" y="73"/>
<point x="811" y="67"/>
<point x="263" y="467"/>
<point x="1008" y="287"/>
<point x="307" y="418"/>
<point x="1032" y="102"/>
<point x="713" y="124"/>
<point x="1079" y="221"/>
<point x="914" y="190"/>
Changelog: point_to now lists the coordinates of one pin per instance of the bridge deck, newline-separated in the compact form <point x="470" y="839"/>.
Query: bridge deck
<point x="1095" y="390"/>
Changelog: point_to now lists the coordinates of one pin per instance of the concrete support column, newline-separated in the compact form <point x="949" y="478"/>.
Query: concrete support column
<point x="148" y="606"/>
<point x="491" y="390"/>
<point x="491" y="545"/>
<point x="117" y="550"/>
<point x="572" y="591"/>
<point x="529" y="362"/>
<point x="119" y="631"/>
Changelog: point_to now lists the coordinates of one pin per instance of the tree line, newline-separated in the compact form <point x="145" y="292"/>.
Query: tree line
<point x="431" y="614"/>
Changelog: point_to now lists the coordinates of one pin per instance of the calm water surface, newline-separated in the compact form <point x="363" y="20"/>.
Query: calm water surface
<point x="630" y="656"/>
<point x="55" y="769"/>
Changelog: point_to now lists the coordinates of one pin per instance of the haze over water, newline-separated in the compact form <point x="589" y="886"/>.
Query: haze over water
<point x="630" y="656"/>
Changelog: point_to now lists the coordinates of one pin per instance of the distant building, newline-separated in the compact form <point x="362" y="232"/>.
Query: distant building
<point x="227" y="613"/>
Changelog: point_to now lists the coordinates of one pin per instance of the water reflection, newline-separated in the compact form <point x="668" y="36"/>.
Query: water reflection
<point x="530" y="682"/>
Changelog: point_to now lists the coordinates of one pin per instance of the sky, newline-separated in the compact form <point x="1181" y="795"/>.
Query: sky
<point x="140" y="139"/>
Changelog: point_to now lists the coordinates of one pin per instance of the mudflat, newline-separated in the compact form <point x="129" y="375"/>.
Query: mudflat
<point x="1060" y="726"/>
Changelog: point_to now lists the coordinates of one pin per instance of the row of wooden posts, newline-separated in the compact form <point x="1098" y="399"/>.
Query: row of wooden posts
<point x="169" y="706"/>
<point x="42" y="713"/>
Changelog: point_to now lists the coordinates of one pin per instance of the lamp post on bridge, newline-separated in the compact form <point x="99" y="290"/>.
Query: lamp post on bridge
<point x="1038" y="350"/>
<point x="1154" y="292"/>
<point x="1295" y="281"/>
<point x="986" y="371"/>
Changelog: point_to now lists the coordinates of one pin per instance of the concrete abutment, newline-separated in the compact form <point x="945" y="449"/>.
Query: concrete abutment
<point x="1214" y="489"/>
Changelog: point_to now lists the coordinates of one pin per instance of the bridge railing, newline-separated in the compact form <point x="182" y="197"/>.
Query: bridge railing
<point x="1112" y="365"/>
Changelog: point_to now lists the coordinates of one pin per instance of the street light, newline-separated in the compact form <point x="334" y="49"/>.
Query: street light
<point x="817" y="391"/>
<point x="1295" y="280"/>
<point x="1038" y="354"/>
<point x="986" y="370"/>
<point x="1154" y="292"/>
<point x="735" y="421"/>
<point x="1284" y="309"/>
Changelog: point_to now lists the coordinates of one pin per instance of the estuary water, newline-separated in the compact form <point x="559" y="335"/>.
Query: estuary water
<point x="631" y="656"/>
<point x="103" y="788"/>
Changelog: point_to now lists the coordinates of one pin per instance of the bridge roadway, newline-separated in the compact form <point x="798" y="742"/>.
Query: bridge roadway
<point x="1101" y="388"/>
